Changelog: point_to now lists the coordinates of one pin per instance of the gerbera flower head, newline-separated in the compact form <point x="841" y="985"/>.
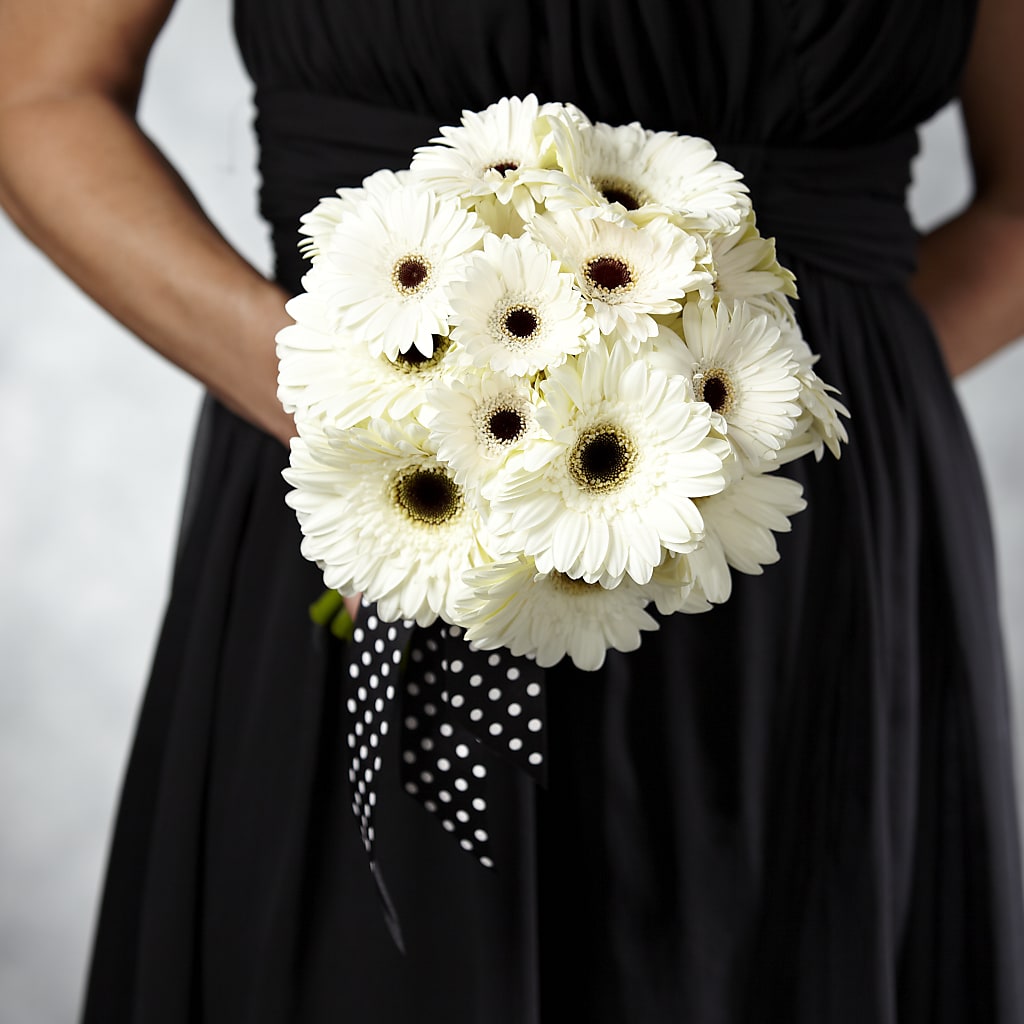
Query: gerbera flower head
<point x="741" y="365"/>
<point x="515" y="310"/>
<point x="328" y="372"/>
<point x="745" y="269"/>
<point x="740" y="526"/>
<point x="478" y="422"/>
<point x="500" y="152"/>
<point x="674" y="586"/>
<point x="610" y="480"/>
<point x="745" y="516"/>
<point x="641" y="174"/>
<point x="820" y="425"/>
<point x="389" y="264"/>
<point x="382" y="516"/>
<point x="625" y="273"/>
<point x="320" y="223"/>
<point x="549" y="615"/>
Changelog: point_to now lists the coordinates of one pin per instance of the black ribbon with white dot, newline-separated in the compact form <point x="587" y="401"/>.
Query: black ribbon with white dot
<point x="454" y="701"/>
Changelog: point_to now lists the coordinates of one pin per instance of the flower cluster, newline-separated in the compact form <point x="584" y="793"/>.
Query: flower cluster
<point x="541" y="379"/>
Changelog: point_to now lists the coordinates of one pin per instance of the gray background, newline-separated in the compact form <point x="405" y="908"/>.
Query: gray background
<point x="95" y="432"/>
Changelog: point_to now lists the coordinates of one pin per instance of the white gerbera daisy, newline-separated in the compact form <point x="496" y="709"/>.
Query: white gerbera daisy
<point x="743" y="368"/>
<point x="388" y="265"/>
<point x="741" y="522"/>
<point x="309" y="369"/>
<point x="626" y="273"/>
<point x="319" y="224"/>
<point x="380" y="515"/>
<point x="477" y="422"/>
<point x="563" y="113"/>
<point x="515" y="310"/>
<point x="548" y="615"/>
<point x="747" y="514"/>
<point x="324" y="374"/>
<point x="611" y="480"/>
<point x="497" y="152"/>
<point x="820" y="425"/>
<point x="641" y="173"/>
<point x="745" y="269"/>
<point x="500" y="218"/>
<point x="674" y="586"/>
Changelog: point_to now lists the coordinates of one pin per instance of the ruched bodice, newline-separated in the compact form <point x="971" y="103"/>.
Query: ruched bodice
<point x="796" y="807"/>
<point x="841" y="210"/>
<point x="788" y="71"/>
<point x="344" y="89"/>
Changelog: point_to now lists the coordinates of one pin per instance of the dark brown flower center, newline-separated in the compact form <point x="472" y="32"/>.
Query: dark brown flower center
<point x="602" y="459"/>
<point x="715" y="387"/>
<point x="410" y="272"/>
<point x="504" y="166"/>
<point x="621" y="192"/>
<point x="427" y="495"/>
<point x="506" y="425"/>
<point x="608" y="274"/>
<point x="521" y="322"/>
<point x="501" y="421"/>
<point x="414" y="361"/>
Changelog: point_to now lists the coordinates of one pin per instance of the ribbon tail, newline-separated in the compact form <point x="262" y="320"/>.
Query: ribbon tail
<point x="387" y="905"/>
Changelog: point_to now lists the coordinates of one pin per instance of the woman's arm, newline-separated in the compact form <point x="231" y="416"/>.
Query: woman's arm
<point x="971" y="272"/>
<point x="82" y="181"/>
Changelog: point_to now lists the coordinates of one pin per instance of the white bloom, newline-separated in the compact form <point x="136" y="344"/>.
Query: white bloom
<point x="330" y="373"/>
<point x="388" y="266"/>
<point x="626" y="273"/>
<point x="563" y="114"/>
<point x="548" y="615"/>
<point x="741" y="522"/>
<point x="674" y="586"/>
<point x="380" y="515"/>
<point x="477" y="421"/>
<point x="642" y="173"/>
<point x="743" y="368"/>
<point x="497" y="152"/>
<point x="324" y="373"/>
<point x="747" y="514"/>
<point x="516" y="311"/>
<point x="320" y="223"/>
<point x="611" y="480"/>
<point x="500" y="218"/>
<point x="745" y="269"/>
<point x="820" y="425"/>
<point x="310" y="368"/>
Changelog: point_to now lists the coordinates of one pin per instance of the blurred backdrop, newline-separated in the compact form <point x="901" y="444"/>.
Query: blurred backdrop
<point x="95" y="431"/>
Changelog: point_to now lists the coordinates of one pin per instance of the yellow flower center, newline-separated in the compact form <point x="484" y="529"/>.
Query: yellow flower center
<point x="567" y="585"/>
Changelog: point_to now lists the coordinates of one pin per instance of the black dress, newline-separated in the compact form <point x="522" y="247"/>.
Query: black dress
<point x="797" y="807"/>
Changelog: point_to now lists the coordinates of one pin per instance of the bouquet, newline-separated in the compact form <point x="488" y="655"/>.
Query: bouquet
<point x="542" y="381"/>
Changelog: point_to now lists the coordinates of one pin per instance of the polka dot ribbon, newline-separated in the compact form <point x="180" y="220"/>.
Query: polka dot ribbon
<point x="455" y="703"/>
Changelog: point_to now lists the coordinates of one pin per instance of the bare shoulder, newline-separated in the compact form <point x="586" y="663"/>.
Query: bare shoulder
<point x="53" y="47"/>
